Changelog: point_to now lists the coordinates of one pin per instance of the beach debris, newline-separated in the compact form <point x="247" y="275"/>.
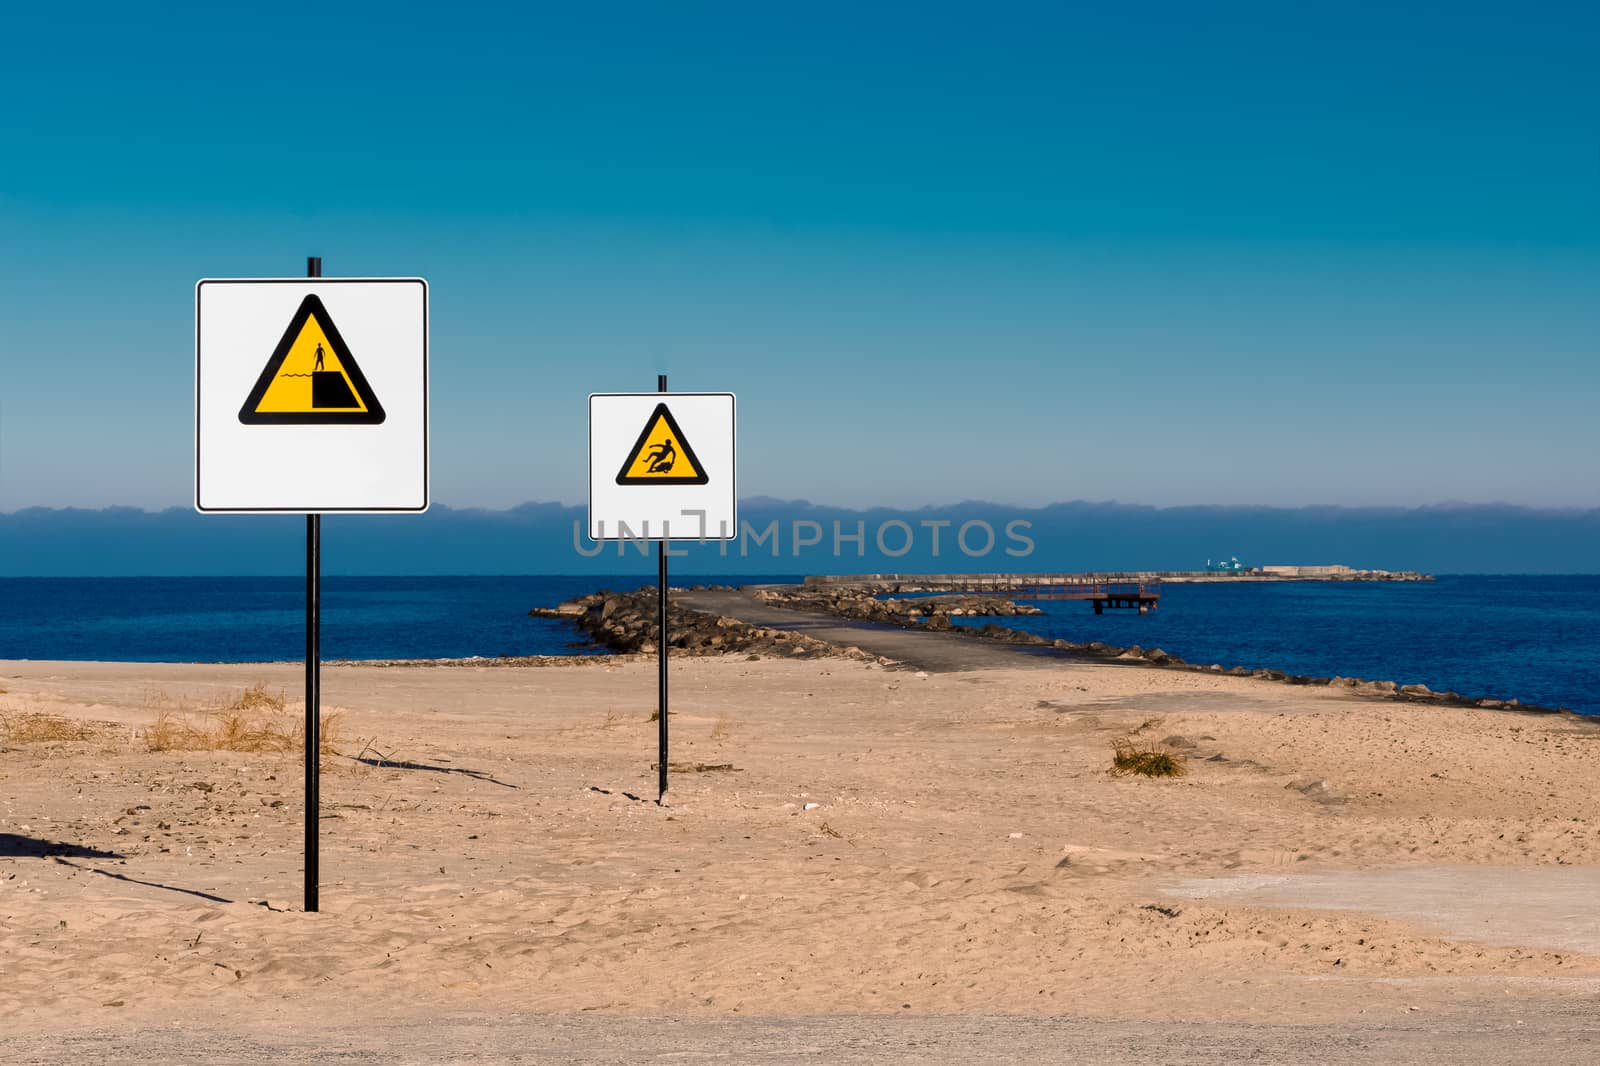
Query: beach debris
<point x="811" y="806"/>
<point x="827" y="830"/>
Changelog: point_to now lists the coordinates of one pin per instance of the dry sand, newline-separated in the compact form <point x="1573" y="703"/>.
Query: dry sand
<point x="967" y="853"/>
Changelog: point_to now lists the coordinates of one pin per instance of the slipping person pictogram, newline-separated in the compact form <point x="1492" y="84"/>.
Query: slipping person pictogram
<point x="662" y="455"/>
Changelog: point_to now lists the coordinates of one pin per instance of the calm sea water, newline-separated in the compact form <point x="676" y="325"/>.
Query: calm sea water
<point x="1535" y="638"/>
<point x="262" y="619"/>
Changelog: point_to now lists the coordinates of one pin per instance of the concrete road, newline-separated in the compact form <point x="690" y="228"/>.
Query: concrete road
<point x="934" y="652"/>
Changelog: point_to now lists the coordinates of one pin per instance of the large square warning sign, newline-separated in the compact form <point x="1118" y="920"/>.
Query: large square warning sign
<point x="311" y="395"/>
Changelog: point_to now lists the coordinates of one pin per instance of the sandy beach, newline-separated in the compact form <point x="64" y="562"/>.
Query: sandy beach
<point x="842" y="840"/>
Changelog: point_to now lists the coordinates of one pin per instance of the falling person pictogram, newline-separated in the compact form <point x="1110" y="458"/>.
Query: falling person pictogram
<point x="661" y="457"/>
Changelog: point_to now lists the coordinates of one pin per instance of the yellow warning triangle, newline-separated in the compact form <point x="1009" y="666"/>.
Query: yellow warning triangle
<point x="311" y="378"/>
<point x="662" y="455"/>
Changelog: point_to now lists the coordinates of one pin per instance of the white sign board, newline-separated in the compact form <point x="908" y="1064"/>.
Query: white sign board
<point x="661" y="466"/>
<point x="311" y="395"/>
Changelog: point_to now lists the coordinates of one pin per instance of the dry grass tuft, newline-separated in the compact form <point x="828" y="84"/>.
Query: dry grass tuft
<point x="1129" y="758"/>
<point x="720" y="730"/>
<point x="257" y="720"/>
<point x="25" y="727"/>
<point x="258" y="698"/>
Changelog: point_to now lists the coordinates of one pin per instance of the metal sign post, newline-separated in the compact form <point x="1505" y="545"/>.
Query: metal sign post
<point x="311" y="397"/>
<point x="661" y="645"/>
<point x="313" y="677"/>
<point x="661" y="468"/>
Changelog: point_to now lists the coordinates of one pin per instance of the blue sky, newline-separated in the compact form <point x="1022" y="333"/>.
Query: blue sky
<point x="1161" y="253"/>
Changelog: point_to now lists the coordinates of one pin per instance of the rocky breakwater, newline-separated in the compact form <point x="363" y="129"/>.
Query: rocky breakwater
<point x="862" y="604"/>
<point x="626" y="622"/>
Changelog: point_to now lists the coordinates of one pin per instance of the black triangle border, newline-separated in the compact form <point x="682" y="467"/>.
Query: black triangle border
<point x="662" y="411"/>
<point x="372" y="416"/>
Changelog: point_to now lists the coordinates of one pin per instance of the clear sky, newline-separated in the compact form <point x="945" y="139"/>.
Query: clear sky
<point x="1162" y="253"/>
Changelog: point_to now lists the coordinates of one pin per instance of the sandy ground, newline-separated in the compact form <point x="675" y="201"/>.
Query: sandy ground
<point x="889" y="845"/>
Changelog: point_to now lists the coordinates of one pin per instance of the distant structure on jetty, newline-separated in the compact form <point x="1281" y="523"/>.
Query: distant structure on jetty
<point x="1004" y="582"/>
<point x="1136" y="590"/>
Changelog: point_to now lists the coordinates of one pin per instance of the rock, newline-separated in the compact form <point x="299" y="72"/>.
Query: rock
<point x="1415" y="690"/>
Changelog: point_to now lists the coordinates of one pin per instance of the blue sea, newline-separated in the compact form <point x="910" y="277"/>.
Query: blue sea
<point x="1533" y="638"/>
<point x="1536" y="639"/>
<point x="262" y="619"/>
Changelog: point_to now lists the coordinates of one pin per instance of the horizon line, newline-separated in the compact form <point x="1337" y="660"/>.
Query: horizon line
<point x="777" y="501"/>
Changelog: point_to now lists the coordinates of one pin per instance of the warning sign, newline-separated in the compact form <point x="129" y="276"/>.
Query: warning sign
<point x="286" y="420"/>
<point x="311" y="378"/>
<point x="662" y="455"/>
<point x="662" y="466"/>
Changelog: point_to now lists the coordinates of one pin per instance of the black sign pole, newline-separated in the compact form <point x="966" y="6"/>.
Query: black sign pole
<point x="313" y="675"/>
<point x="661" y="644"/>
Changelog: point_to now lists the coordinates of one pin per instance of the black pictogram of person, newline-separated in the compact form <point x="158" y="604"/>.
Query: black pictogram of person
<point x="661" y="457"/>
<point x="319" y="357"/>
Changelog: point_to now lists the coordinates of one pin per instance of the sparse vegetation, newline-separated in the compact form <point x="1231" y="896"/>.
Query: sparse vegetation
<point x="26" y="727"/>
<point x="257" y="720"/>
<point x="719" y="731"/>
<point x="1151" y="761"/>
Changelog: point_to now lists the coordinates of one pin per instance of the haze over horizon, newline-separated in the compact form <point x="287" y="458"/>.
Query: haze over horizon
<point x="1245" y="256"/>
